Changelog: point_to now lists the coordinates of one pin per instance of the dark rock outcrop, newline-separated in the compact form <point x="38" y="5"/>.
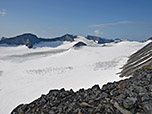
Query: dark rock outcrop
<point x="129" y="96"/>
<point x="142" y="58"/>
<point x="80" y="44"/>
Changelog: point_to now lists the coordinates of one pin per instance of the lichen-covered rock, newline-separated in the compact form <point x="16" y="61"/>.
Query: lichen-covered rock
<point x="129" y="96"/>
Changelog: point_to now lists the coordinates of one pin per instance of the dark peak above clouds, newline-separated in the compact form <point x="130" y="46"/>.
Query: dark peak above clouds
<point x="67" y="37"/>
<point x="30" y="39"/>
<point x="27" y="39"/>
<point x="27" y="35"/>
<point x="94" y="38"/>
<point x="99" y="40"/>
<point x="150" y="38"/>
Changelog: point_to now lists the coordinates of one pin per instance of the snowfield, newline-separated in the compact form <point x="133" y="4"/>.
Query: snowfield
<point x="25" y="73"/>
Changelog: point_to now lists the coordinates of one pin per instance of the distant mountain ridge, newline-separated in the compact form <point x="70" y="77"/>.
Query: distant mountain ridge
<point x="30" y="40"/>
<point x="99" y="40"/>
<point x="26" y="39"/>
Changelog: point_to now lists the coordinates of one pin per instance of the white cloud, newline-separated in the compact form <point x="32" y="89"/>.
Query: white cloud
<point x="112" y="24"/>
<point x="96" y="32"/>
<point x="3" y="12"/>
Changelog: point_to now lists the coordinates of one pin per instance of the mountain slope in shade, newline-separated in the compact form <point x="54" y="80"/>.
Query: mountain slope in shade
<point x="141" y="58"/>
<point x="26" y="39"/>
<point x="30" y="40"/>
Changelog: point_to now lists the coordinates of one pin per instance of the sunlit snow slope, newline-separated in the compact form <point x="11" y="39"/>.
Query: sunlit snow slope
<point x="27" y="73"/>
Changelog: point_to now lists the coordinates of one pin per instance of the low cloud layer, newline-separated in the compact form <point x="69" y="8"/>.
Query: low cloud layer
<point x="97" y="32"/>
<point x="112" y="24"/>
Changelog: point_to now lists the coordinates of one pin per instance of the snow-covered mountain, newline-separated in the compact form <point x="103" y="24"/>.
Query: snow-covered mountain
<point x="27" y="73"/>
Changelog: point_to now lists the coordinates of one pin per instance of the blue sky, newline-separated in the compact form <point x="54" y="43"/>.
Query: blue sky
<point x="126" y="19"/>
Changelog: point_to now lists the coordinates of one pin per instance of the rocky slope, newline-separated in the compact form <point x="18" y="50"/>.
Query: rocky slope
<point x="141" y="58"/>
<point x="129" y="96"/>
